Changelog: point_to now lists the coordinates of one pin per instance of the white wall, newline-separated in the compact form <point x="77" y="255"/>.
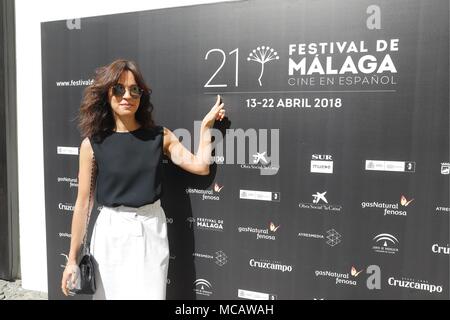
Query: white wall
<point x="29" y="15"/>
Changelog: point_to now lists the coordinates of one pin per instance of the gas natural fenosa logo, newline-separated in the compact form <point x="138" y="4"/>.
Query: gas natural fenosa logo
<point x="208" y="194"/>
<point x="265" y="234"/>
<point x="390" y="209"/>
<point x="73" y="182"/>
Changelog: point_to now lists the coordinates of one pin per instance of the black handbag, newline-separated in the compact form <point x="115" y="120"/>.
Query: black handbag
<point x="87" y="266"/>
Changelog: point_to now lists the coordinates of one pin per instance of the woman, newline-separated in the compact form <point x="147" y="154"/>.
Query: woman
<point x="121" y="142"/>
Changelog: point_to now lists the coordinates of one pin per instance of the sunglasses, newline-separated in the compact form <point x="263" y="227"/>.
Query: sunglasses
<point x="118" y="90"/>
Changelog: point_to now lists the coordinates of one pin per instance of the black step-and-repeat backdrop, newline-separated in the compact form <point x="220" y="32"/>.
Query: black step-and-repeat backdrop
<point x="332" y="178"/>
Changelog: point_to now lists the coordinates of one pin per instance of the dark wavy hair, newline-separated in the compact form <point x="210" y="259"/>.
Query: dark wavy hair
<point x="96" y="116"/>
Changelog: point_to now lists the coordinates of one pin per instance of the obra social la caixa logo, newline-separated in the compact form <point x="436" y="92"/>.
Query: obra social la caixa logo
<point x="320" y="202"/>
<point x="372" y="280"/>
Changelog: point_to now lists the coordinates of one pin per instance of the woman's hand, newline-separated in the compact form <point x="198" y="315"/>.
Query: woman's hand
<point x="70" y="273"/>
<point x="217" y="112"/>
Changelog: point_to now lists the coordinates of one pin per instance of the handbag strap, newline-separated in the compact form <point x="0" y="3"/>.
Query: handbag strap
<point x="91" y="189"/>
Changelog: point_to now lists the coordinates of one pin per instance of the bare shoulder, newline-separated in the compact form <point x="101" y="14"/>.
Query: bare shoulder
<point x="86" y="147"/>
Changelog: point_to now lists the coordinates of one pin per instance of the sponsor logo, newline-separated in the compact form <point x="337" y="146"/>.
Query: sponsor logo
<point x="169" y="220"/>
<point x="206" y="223"/>
<point x="442" y="209"/>
<point x="210" y="194"/>
<point x="385" y="243"/>
<point x="259" y="195"/>
<point x="73" y="182"/>
<point x="219" y="258"/>
<point x="332" y="237"/>
<point x="255" y="295"/>
<point x="436" y="248"/>
<point x="320" y="202"/>
<point x="390" y="209"/>
<point x="445" y="168"/>
<point x="321" y="163"/>
<point x="422" y="285"/>
<point x="265" y="234"/>
<point x="68" y="208"/>
<point x="202" y="287"/>
<point x="64" y="235"/>
<point x="395" y="166"/>
<point x="270" y="265"/>
<point x="261" y="161"/>
<point x="340" y="278"/>
<point x="67" y="150"/>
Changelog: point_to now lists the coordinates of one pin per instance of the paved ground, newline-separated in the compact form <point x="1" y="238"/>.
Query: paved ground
<point x="13" y="291"/>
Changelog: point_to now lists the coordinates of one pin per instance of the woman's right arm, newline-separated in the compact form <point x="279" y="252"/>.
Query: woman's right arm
<point x="81" y="208"/>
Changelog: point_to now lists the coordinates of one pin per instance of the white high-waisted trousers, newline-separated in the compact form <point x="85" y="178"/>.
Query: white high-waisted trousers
<point x="131" y="251"/>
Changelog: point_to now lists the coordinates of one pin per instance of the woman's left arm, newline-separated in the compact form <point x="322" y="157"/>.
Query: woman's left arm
<point x="198" y="163"/>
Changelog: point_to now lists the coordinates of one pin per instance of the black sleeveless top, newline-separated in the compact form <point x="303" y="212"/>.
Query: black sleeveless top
<point x="129" y="167"/>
